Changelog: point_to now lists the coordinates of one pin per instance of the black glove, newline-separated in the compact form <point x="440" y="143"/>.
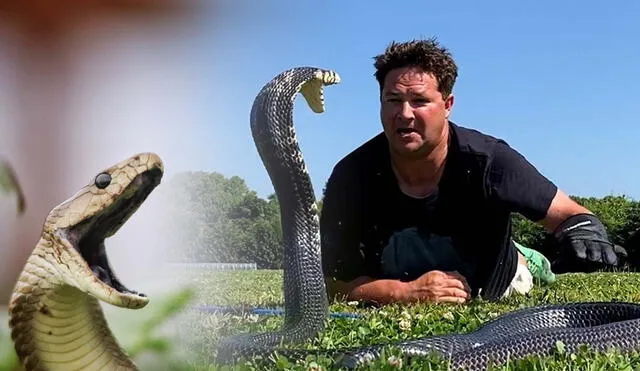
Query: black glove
<point x="585" y="246"/>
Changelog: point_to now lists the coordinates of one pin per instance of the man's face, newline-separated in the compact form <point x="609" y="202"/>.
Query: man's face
<point x="413" y="112"/>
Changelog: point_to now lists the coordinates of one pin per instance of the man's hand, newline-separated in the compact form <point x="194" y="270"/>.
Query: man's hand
<point x="439" y="286"/>
<point x="585" y="246"/>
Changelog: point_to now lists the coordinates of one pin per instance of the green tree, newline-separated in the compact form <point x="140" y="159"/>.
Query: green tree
<point x="222" y="220"/>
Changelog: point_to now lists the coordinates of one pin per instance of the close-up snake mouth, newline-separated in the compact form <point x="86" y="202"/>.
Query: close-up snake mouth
<point x="88" y="237"/>
<point x="313" y="89"/>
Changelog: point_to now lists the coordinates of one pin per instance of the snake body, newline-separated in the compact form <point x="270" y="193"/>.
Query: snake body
<point x="54" y="312"/>
<point x="516" y="335"/>
<point x="306" y="307"/>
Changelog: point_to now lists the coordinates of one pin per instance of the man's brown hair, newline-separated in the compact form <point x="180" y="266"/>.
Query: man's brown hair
<point x="427" y="55"/>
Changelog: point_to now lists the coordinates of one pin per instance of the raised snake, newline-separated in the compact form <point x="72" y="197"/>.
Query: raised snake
<point x="54" y="312"/>
<point x="527" y="332"/>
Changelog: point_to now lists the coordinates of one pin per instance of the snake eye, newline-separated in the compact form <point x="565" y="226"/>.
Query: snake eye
<point x="102" y="180"/>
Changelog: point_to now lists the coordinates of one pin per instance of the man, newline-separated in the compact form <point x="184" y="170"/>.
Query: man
<point x="421" y="212"/>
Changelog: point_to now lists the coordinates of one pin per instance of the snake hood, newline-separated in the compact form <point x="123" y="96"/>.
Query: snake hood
<point x="55" y="318"/>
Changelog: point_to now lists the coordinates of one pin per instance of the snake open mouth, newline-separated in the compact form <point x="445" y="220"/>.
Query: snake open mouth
<point x="88" y="236"/>
<point x="313" y="89"/>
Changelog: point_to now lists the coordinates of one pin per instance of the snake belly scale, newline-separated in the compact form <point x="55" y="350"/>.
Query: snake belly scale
<point x="526" y="332"/>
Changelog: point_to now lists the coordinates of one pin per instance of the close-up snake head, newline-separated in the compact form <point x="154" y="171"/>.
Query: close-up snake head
<point x="81" y="224"/>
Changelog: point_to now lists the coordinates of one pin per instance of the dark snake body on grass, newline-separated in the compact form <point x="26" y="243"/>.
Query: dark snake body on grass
<point x="522" y="333"/>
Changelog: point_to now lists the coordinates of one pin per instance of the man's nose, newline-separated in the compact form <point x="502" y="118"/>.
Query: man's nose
<point x="406" y="111"/>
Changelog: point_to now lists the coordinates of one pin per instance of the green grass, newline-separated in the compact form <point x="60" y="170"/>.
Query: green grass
<point x="165" y="337"/>
<point x="199" y="332"/>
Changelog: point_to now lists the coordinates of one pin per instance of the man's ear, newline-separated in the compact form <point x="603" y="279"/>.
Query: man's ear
<point x="448" y="104"/>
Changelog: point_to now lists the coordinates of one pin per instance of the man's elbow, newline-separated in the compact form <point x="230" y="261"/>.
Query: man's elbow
<point x="339" y="290"/>
<point x="561" y="208"/>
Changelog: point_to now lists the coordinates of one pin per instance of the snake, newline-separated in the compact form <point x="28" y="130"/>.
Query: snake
<point x="9" y="185"/>
<point x="522" y="333"/>
<point x="55" y="316"/>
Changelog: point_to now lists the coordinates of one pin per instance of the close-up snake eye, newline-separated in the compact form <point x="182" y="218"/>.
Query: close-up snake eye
<point x="103" y="180"/>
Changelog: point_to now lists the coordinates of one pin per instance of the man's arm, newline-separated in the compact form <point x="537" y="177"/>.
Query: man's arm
<point x="579" y="234"/>
<point x="433" y="286"/>
<point x="344" y="267"/>
<point x="367" y="289"/>
<point x="562" y="207"/>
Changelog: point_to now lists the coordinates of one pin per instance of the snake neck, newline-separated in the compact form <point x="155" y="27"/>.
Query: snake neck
<point x="278" y="148"/>
<point x="56" y="326"/>
<point x="306" y="305"/>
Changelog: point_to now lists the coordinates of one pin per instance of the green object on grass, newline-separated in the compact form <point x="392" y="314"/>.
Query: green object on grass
<point x="538" y="264"/>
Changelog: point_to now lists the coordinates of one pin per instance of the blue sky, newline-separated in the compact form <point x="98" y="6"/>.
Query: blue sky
<point x="559" y="81"/>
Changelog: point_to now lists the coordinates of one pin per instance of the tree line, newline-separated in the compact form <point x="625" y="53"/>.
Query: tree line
<point x="222" y="220"/>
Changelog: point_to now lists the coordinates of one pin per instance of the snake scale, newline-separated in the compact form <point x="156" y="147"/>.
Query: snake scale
<point x="526" y="332"/>
<point x="54" y="312"/>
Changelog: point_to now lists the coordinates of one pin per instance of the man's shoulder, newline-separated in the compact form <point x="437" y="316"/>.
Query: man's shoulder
<point x="356" y="169"/>
<point x="475" y="142"/>
<point x="370" y="153"/>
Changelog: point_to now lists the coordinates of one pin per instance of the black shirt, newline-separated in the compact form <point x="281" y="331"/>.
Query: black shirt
<point x="483" y="182"/>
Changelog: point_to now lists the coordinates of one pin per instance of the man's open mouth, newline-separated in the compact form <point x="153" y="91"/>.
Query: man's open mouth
<point x="88" y="236"/>
<point x="404" y="131"/>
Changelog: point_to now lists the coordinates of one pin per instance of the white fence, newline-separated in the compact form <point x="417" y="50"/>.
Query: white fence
<point x="215" y="266"/>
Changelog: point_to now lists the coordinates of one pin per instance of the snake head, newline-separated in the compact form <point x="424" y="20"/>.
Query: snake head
<point x="313" y="88"/>
<point x="82" y="223"/>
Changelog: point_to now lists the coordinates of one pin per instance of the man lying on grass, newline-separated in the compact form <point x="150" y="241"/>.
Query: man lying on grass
<point x="421" y="212"/>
